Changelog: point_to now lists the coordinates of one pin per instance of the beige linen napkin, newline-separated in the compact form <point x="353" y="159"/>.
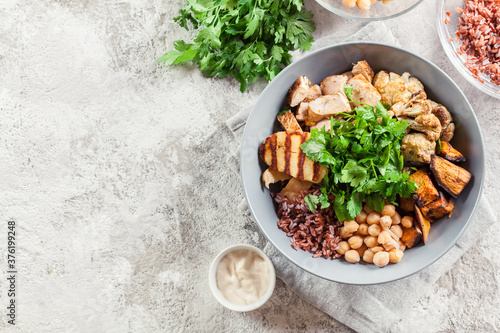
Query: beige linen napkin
<point x="376" y="308"/>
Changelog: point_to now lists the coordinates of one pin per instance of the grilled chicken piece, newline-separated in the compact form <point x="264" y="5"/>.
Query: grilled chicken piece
<point x="426" y="192"/>
<point x="326" y="106"/>
<point x="301" y="113"/>
<point x="294" y="187"/>
<point x="365" y="91"/>
<point x="412" y="84"/>
<point x="333" y="84"/>
<point x="426" y="123"/>
<point x="392" y="88"/>
<point x="323" y="123"/>
<point x="423" y="224"/>
<point x="314" y="92"/>
<point x="271" y="176"/>
<point x="450" y="153"/>
<point x="417" y="149"/>
<point x="281" y="151"/>
<point x="446" y="120"/>
<point x="438" y="208"/>
<point x="364" y="69"/>
<point x="449" y="176"/>
<point x="298" y="91"/>
<point x="416" y="106"/>
<point x="289" y="122"/>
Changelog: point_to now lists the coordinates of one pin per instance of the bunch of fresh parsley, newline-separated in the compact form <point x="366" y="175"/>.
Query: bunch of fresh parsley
<point x="362" y="151"/>
<point x="243" y="38"/>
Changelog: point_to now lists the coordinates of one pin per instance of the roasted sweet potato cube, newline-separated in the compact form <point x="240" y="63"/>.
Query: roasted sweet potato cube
<point x="449" y="176"/>
<point x="406" y="204"/>
<point x="426" y="192"/>
<point x="411" y="236"/>
<point x="423" y="224"/>
<point x="289" y="122"/>
<point x="450" y="153"/>
<point x="438" y="208"/>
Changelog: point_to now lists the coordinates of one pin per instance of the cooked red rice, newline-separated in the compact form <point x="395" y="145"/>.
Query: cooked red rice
<point x="478" y="33"/>
<point x="314" y="232"/>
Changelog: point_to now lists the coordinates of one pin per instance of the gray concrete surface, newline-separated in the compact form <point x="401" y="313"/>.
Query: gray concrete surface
<point x="113" y="168"/>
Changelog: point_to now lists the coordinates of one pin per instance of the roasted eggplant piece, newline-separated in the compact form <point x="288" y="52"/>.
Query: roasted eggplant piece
<point x="438" y="208"/>
<point x="423" y="224"/>
<point x="450" y="153"/>
<point x="289" y="122"/>
<point x="426" y="192"/>
<point x="449" y="176"/>
<point x="411" y="236"/>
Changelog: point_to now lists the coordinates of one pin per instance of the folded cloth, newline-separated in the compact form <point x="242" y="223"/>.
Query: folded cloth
<point x="362" y="307"/>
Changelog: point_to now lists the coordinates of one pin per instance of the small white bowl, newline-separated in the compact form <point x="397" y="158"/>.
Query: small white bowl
<point x="212" y="279"/>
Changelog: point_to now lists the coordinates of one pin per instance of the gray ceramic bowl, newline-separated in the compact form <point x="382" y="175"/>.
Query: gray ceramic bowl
<point x="338" y="59"/>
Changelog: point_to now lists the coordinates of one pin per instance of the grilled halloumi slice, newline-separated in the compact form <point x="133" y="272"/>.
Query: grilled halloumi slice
<point x="281" y="151"/>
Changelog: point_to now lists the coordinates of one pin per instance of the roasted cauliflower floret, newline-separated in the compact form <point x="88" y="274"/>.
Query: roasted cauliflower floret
<point x="446" y="120"/>
<point x="412" y="84"/>
<point x="416" y="106"/>
<point x="391" y="87"/>
<point x="427" y="123"/>
<point x="417" y="149"/>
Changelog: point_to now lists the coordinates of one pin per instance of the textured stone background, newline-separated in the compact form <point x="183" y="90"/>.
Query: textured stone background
<point x="114" y="168"/>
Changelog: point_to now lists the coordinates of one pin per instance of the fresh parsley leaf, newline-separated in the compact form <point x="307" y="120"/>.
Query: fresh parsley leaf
<point x="241" y="38"/>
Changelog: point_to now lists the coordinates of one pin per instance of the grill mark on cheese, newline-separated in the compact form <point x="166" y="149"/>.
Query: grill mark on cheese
<point x="288" y="153"/>
<point x="302" y="157"/>
<point x="274" y="157"/>
<point x="316" y="172"/>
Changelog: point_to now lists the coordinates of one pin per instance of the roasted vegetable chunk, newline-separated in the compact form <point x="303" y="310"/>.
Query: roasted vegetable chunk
<point x="271" y="176"/>
<point x="290" y="124"/>
<point x="438" y="208"/>
<point x="406" y="204"/>
<point x="281" y="151"/>
<point x="411" y="236"/>
<point x="423" y="224"/>
<point x="426" y="192"/>
<point x="450" y="153"/>
<point x="449" y="176"/>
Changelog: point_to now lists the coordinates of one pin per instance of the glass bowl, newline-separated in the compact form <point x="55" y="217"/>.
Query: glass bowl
<point x="377" y="12"/>
<point x="448" y="40"/>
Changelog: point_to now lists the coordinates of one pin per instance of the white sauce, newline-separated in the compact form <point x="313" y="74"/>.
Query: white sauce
<point x="243" y="277"/>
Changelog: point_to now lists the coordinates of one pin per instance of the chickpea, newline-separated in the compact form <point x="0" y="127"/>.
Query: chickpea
<point x="367" y="209"/>
<point x="384" y="237"/>
<point x="349" y="3"/>
<point x="351" y="227"/>
<point x="370" y="241"/>
<point x="395" y="255"/>
<point x="377" y="249"/>
<point x="407" y="221"/>
<point x="361" y="218"/>
<point x="352" y="256"/>
<point x="355" y="242"/>
<point x="381" y="258"/>
<point x="402" y="247"/>
<point x="362" y="250"/>
<point x="388" y="112"/>
<point x="396" y="218"/>
<point x="373" y="218"/>
<point x="344" y="234"/>
<point x="390" y="245"/>
<point x="389" y="210"/>
<point x="364" y="4"/>
<point x="368" y="256"/>
<point x="385" y="222"/>
<point x="396" y="229"/>
<point x="374" y="230"/>
<point x="363" y="229"/>
<point x="343" y="247"/>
